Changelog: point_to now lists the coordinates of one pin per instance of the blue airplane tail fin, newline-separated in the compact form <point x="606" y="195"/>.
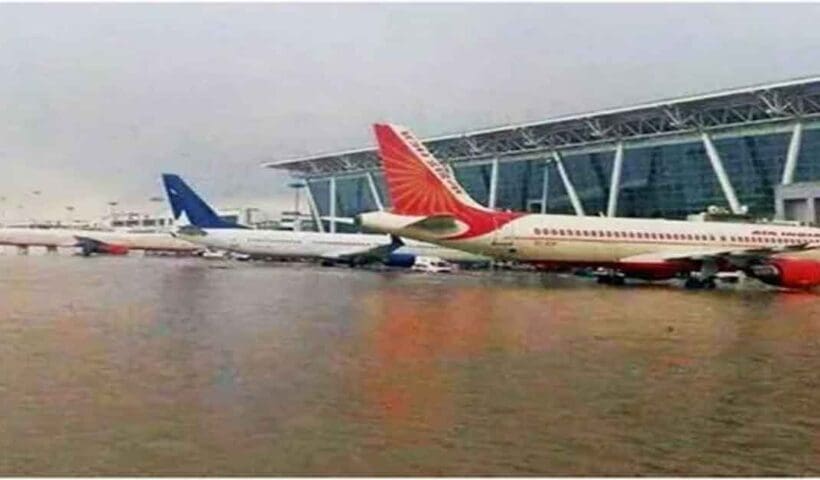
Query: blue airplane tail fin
<point x="184" y="200"/>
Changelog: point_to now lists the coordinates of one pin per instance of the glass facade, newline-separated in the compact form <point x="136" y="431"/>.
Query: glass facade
<point x="476" y="180"/>
<point x="669" y="181"/>
<point x="320" y="189"/>
<point x="519" y="185"/>
<point x="808" y="166"/>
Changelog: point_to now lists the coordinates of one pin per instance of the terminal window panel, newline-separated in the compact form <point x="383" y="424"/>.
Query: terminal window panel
<point x="669" y="181"/>
<point x="695" y="176"/>
<point x="536" y="185"/>
<point x="320" y="189"/>
<point x="754" y="164"/>
<point x="591" y="175"/>
<point x="634" y="182"/>
<point x="808" y="163"/>
<point x="476" y="181"/>
<point x="557" y="199"/>
<point x="353" y="196"/>
<point x="381" y="188"/>
<point x="519" y="183"/>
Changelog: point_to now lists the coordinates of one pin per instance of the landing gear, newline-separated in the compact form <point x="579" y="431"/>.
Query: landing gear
<point x="697" y="283"/>
<point x="703" y="279"/>
<point x="611" y="278"/>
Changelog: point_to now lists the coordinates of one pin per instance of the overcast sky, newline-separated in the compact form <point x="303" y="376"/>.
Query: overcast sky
<point x="97" y="100"/>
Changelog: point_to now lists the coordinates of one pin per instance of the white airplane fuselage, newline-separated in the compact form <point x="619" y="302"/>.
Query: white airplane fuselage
<point x="141" y="241"/>
<point x="284" y="243"/>
<point x="575" y="240"/>
<point x="37" y="237"/>
<point x="63" y="237"/>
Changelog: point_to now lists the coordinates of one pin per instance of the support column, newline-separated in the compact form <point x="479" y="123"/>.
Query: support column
<point x="570" y="188"/>
<point x="314" y="211"/>
<point x="493" y="184"/>
<point x="374" y="191"/>
<point x="779" y="204"/>
<point x="545" y="188"/>
<point x="332" y="203"/>
<point x="793" y="154"/>
<point x="720" y="172"/>
<point x="615" y="182"/>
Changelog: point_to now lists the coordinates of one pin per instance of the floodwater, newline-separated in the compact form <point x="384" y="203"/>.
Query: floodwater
<point x="173" y="367"/>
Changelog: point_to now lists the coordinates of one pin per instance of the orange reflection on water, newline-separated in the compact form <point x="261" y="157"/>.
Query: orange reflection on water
<point x="412" y="342"/>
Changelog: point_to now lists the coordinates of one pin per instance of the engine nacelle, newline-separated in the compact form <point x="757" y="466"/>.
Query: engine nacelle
<point x="110" y="249"/>
<point x="788" y="273"/>
<point x="90" y="247"/>
<point x="404" y="260"/>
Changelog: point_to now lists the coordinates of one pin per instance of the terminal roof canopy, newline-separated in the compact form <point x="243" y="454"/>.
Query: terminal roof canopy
<point x="743" y="107"/>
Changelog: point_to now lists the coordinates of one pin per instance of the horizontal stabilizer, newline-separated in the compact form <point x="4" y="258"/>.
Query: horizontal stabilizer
<point x="438" y="225"/>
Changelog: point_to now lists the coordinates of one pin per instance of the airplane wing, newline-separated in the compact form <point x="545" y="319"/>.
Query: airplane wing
<point x="380" y="251"/>
<point x="734" y="255"/>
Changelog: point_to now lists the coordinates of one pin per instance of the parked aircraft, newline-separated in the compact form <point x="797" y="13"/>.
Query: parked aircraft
<point x="206" y="228"/>
<point x="119" y="243"/>
<point x="430" y="205"/>
<point x="93" y="241"/>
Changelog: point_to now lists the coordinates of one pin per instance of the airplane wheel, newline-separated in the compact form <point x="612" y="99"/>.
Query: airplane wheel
<point x="693" y="283"/>
<point x="611" y="280"/>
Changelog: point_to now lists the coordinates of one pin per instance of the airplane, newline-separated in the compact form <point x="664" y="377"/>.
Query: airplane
<point x="430" y="205"/>
<point x="92" y="241"/>
<point x="120" y="243"/>
<point x="24" y="237"/>
<point x="206" y="228"/>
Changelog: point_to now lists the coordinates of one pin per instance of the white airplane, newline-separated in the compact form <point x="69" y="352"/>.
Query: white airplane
<point x="430" y="205"/>
<point x="206" y="228"/>
<point x="118" y="243"/>
<point x="93" y="241"/>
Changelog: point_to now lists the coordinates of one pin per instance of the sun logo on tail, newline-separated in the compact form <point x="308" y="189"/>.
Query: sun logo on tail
<point x="420" y="185"/>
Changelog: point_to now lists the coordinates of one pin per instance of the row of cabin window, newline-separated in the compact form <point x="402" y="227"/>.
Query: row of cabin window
<point x="657" y="236"/>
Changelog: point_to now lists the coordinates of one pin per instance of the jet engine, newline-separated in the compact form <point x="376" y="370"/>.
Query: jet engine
<point x="788" y="273"/>
<point x="404" y="260"/>
<point x="109" y="249"/>
<point x="90" y="246"/>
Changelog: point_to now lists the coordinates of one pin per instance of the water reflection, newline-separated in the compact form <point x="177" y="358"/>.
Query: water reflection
<point x="125" y="366"/>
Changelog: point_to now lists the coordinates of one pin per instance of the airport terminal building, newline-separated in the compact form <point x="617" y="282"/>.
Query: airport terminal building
<point x="752" y="150"/>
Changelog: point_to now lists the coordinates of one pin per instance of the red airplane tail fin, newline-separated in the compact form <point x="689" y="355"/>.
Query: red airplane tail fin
<point x="417" y="182"/>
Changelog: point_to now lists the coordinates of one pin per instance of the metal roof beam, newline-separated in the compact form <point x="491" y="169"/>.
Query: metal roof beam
<point x="798" y="100"/>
